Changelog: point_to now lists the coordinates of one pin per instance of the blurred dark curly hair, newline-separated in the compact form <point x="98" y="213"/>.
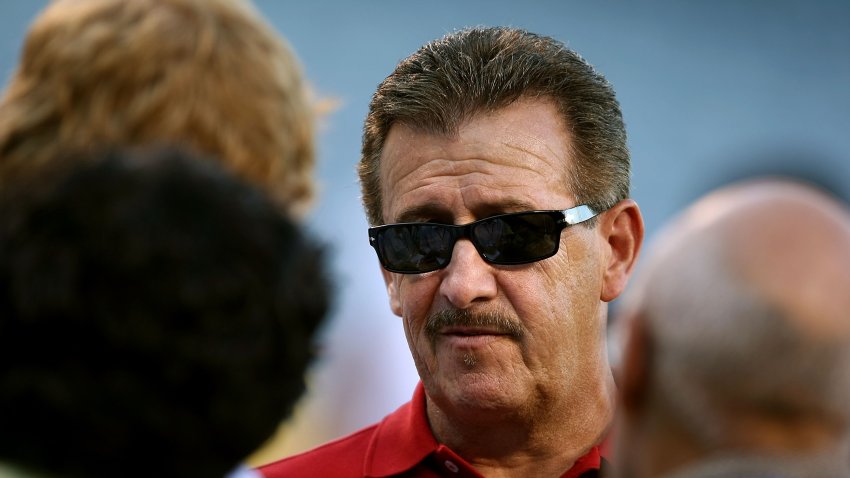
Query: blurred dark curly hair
<point x="156" y="317"/>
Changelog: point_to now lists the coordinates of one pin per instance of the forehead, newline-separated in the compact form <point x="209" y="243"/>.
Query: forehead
<point x="513" y="158"/>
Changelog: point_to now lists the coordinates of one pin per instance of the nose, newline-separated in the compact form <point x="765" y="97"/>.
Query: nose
<point x="468" y="278"/>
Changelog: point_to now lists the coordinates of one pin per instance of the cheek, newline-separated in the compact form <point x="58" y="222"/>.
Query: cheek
<point x="576" y="268"/>
<point x="416" y="298"/>
<point x="568" y="288"/>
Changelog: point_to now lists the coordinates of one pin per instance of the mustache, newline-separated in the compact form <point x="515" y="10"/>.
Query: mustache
<point x="497" y="321"/>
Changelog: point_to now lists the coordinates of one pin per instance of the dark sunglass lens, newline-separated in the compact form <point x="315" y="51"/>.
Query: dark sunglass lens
<point x="415" y="247"/>
<point x="518" y="238"/>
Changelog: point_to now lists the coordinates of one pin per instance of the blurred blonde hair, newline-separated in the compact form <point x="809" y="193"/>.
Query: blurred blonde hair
<point x="208" y="74"/>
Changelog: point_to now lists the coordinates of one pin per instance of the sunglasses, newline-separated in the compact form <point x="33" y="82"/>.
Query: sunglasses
<point x="506" y="239"/>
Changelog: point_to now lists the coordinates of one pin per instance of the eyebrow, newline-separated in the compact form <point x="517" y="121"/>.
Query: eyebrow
<point x="439" y="211"/>
<point x="428" y="210"/>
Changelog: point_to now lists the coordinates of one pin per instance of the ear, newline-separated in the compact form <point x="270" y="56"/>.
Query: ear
<point x="622" y="229"/>
<point x="633" y="372"/>
<point x="392" y="291"/>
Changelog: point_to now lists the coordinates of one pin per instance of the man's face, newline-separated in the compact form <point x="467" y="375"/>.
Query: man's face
<point x="489" y="337"/>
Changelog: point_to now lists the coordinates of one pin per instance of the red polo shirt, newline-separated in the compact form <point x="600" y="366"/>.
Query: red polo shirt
<point x="400" y="445"/>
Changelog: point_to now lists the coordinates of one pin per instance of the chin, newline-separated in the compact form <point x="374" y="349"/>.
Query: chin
<point x="480" y="390"/>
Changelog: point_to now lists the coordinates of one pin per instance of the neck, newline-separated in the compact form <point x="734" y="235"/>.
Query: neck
<point x="543" y="442"/>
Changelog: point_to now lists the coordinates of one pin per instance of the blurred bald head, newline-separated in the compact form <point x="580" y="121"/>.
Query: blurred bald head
<point x="741" y="323"/>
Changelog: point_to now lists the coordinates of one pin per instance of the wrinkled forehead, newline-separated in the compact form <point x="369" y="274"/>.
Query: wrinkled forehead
<point x="520" y="151"/>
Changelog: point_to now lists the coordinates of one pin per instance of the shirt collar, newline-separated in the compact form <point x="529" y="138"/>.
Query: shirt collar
<point x="403" y="439"/>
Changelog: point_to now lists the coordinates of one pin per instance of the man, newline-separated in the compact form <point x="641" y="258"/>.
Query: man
<point x="156" y="318"/>
<point x="738" y="357"/>
<point x="206" y="74"/>
<point x="505" y="317"/>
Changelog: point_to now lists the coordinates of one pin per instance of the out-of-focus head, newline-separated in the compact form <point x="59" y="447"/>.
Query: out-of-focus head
<point x="208" y="74"/>
<point x="156" y="317"/>
<point x="740" y="330"/>
<point x="481" y="70"/>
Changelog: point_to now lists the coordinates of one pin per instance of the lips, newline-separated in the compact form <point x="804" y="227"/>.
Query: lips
<point x="471" y="337"/>
<point x="471" y="331"/>
<point x="470" y="341"/>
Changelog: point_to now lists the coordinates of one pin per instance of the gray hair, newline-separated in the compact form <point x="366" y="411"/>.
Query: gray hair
<point x="476" y="70"/>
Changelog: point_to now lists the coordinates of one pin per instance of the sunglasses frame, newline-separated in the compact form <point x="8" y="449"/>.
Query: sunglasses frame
<point x="567" y="217"/>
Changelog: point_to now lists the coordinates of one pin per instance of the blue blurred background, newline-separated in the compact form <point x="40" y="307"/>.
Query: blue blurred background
<point x="710" y="90"/>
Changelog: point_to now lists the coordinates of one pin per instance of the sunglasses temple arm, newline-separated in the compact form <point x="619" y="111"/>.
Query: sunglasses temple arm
<point x="578" y="214"/>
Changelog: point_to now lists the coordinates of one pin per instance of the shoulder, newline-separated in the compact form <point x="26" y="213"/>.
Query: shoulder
<point x="340" y="458"/>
